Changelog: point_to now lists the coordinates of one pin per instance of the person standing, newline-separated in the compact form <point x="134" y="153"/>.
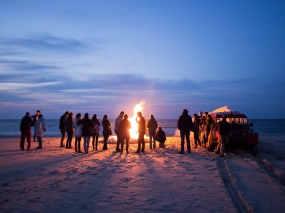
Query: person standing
<point x="25" y="128"/>
<point x="35" y="118"/>
<point x="69" y="129"/>
<point x="106" y="124"/>
<point x="141" y="130"/>
<point x="124" y="129"/>
<point x="86" y="131"/>
<point x="117" y="123"/>
<point x="152" y="126"/>
<point x="40" y="129"/>
<point x="224" y="128"/>
<point x="62" y="127"/>
<point x="196" y="129"/>
<point x="78" y="133"/>
<point x="160" y="137"/>
<point x="185" y="125"/>
<point x="209" y="122"/>
<point x="96" y="124"/>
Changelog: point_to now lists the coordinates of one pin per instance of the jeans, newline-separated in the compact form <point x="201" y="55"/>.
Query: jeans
<point x="222" y="146"/>
<point x="141" y="142"/>
<point x="118" y="139"/>
<point x="69" y="139"/>
<point x="152" y="137"/>
<point x="25" y="134"/>
<point x="40" y="141"/>
<point x="183" y="135"/>
<point x="86" y="143"/>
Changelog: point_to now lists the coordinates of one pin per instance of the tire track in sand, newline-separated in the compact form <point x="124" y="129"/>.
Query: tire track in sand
<point x="239" y="201"/>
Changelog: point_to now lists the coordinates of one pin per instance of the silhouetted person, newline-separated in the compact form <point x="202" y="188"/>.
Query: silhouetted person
<point x="40" y="129"/>
<point x="185" y="125"/>
<point x="62" y="127"/>
<point x="69" y="129"/>
<point x="25" y="128"/>
<point x="160" y="137"/>
<point x="152" y="126"/>
<point x="78" y="133"/>
<point x="117" y="123"/>
<point x="224" y="128"/>
<point x="124" y="128"/>
<point x="86" y="133"/>
<point x="96" y="124"/>
<point x="141" y="131"/>
<point x="196" y="128"/>
<point x="106" y="124"/>
<point x="35" y="118"/>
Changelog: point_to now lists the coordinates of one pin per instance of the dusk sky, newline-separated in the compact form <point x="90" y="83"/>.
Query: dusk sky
<point x="104" y="56"/>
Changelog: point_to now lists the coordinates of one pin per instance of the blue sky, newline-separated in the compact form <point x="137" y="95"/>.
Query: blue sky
<point x="104" y="56"/>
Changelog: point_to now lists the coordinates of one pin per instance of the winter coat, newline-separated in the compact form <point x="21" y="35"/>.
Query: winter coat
<point x="196" y="125"/>
<point x="124" y="129"/>
<point x="69" y="124"/>
<point x="152" y="126"/>
<point x="26" y="123"/>
<point x="62" y="122"/>
<point x="160" y="136"/>
<point x="209" y="122"/>
<point x="117" y="122"/>
<point x="224" y="128"/>
<point x="141" y="125"/>
<point x="184" y="123"/>
<point x="75" y="126"/>
<point x="106" y="127"/>
<point x="86" y="125"/>
<point x="40" y="127"/>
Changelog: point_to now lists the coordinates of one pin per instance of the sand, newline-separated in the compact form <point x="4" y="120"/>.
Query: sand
<point x="57" y="179"/>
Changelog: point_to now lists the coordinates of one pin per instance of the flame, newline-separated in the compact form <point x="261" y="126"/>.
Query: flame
<point x="134" y="130"/>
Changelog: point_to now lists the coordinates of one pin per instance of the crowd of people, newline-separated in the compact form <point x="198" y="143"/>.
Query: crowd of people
<point x="207" y="132"/>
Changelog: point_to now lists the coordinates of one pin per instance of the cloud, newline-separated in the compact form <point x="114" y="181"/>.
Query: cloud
<point x="111" y="93"/>
<point x="42" y="42"/>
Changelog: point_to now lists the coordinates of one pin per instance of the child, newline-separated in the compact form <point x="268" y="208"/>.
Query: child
<point x="160" y="137"/>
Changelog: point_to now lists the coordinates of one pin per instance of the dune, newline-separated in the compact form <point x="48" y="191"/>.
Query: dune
<point x="56" y="179"/>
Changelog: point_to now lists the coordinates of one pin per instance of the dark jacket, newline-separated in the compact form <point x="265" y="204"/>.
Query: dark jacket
<point x="86" y="125"/>
<point x="124" y="129"/>
<point x="160" y="136"/>
<point x="141" y="125"/>
<point x="152" y="126"/>
<point x="26" y="123"/>
<point x="69" y="124"/>
<point x="62" y="122"/>
<point x="106" y="127"/>
<point x="224" y="128"/>
<point x="184" y="122"/>
<point x="196" y="124"/>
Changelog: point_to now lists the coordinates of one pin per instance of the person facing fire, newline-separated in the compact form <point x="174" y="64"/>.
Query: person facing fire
<point x="224" y="128"/>
<point x="117" y="123"/>
<point x="124" y="129"/>
<point x="141" y="130"/>
<point x="185" y="124"/>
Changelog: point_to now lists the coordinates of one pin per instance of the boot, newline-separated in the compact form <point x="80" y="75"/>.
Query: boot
<point x="75" y="145"/>
<point x="61" y="143"/>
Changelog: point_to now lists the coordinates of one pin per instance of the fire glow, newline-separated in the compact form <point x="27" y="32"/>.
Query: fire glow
<point x="134" y="130"/>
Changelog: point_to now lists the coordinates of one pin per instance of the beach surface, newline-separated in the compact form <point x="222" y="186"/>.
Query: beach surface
<point x="57" y="179"/>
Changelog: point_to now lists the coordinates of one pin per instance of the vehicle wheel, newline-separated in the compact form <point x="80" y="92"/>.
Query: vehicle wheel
<point x="254" y="150"/>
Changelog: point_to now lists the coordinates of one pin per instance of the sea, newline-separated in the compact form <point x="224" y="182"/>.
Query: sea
<point x="11" y="127"/>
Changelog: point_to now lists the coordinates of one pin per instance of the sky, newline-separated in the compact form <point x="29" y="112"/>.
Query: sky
<point x="105" y="56"/>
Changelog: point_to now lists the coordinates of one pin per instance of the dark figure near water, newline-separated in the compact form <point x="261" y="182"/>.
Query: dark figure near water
<point x="124" y="128"/>
<point x="62" y="127"/>
<point x="35" y="118"/>
<point x="69" y="129"/>
<point x="196" y="126"/>
<point x="141" y="130"/>
<point x="117" y="131"/>
<point x="106" y="124"/>
<point x="96" y="123"/>
<point x="78" y="133"/>
<point x="25" y="128"/>
<point x="86" y="133"/>
<point x="185" y="125"/>
<point x="160" y="137"/>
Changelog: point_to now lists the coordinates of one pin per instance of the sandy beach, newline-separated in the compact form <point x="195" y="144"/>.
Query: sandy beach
<point x="57" y="179"/>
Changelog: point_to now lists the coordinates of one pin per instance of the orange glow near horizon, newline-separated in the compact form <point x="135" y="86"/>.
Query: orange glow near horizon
<point x="134" y="130"/>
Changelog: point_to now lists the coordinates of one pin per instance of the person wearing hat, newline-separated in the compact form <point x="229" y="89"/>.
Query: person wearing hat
<point x="141" y="130"/>
<point x="25" y="128"/>
<point x="185" y="125"/>
<point x="117" y="123"/>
